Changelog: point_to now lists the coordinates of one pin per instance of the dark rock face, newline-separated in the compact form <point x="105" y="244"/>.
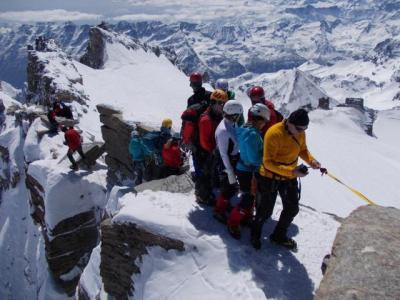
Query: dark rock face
<point x="9" y="177"/>
<point x="68" y="248"/>
<point x="387" y="49"/>
<point x="365" y="258"/>
<point x="121" y="245"/>
<point x="116" y="135"/>
<point x="95" y="51"/>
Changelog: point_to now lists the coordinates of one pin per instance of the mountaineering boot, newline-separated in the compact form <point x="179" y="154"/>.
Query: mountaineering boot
<point x="74" y="167"/>
<point x="255" y="237"/>
<point x="234" y="231"/>
<point x="221" y="217"/>
<point x="285" y="242"/>
<point x="208" y="200"/>
<point x="255" y="242"/>
<point x="221" y="205"/>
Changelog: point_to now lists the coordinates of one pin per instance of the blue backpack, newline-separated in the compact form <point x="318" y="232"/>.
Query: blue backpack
<point x="152" y="140"/>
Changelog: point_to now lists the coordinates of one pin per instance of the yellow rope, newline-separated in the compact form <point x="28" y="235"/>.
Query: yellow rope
<point x="359" y="194"/>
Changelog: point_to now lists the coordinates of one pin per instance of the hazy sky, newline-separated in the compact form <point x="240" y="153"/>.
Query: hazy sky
<point x="116" y="10"/>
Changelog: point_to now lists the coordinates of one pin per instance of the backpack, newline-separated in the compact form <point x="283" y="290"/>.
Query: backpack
<point x="152" y="141"/>
<point x="244" y="138"/>
<point x="190" y="123"/>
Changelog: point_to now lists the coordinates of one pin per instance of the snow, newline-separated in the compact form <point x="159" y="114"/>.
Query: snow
<point x="216" y="265"/>
<point x="148" y="88"/>
<point x="68" y="193"/>
<point x="368" y="164"/>
<point x="145" y="87"/>
<point x="358" y="79"/>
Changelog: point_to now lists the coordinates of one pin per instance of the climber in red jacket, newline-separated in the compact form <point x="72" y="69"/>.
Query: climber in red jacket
<point x="172" y="158"/>
<point x="74" y="142"/>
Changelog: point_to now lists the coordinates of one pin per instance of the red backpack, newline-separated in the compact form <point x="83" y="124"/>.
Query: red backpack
<point x="172" y="156"/>
<point x="190" y="123"/>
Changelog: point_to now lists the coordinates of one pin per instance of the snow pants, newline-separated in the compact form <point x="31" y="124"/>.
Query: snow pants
<point x="244" y="210"/>
<point x="138" y="172"/>
<point x="267" y="191"/>
<point x="71" y="157"/>
<point x="204" y="178"/>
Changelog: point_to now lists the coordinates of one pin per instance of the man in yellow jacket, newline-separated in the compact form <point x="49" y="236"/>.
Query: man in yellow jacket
<point x="284" y="143"/>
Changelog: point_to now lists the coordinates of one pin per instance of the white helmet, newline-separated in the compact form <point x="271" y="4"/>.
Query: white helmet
<point x="222" y="84"/>
<point x="233" y="107"/>
<point x="260" y="110"/>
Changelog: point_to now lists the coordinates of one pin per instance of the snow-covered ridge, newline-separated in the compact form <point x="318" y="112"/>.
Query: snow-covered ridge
<point x="52" y="76"/>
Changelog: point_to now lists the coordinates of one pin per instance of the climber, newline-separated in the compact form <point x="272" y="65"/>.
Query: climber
<point x="172" y="157"/>
<point x="200" y="94"/>
<point x="165" y="133"/>
<point x="62" y="110"/>
<point x="51" y="116"/>
<point x="257" y="95"/>
<point x="251" y="153"/>
<point x="284" y="143"/>
<point x="222" y="84"/>
<point x="227" y="155"/>
<point x="138" y="151"/>
<point x="205" y="156"/>
<point x="74" y="142"/>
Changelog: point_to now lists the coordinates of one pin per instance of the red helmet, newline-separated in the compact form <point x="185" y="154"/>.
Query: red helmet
<point x="256" y="91"/>
<point x="196" y="77"/>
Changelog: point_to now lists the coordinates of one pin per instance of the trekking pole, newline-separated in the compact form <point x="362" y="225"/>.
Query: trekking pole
<point x="358" y="193"/>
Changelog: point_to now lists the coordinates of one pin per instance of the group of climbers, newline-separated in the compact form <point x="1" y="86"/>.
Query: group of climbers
<point x="59" y="109"/>
<point x="72" y="138"/>
<point x="156" y="154"/>
<point x="259" y="158"/>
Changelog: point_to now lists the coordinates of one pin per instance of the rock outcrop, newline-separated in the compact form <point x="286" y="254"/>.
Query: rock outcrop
<point x="365" y="258"/>
<point x="116" y="134"/>
<point x="121" y="246"/>
<point x="52" y="76"/>
<point x="95" y="51"/>
<point x="96" y="54"/>
<point x="69" y="221"/>
<point x="173" y="184"/>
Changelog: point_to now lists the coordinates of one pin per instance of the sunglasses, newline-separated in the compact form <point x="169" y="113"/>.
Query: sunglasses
<point x="301" y="128"/>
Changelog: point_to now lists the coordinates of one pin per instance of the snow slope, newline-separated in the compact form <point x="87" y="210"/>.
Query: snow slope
<point x="145" y="87"/>
<point x="213" y="265"/>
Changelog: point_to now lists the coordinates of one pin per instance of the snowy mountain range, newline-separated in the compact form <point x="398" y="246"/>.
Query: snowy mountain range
<point x="288" y="34"/>
<point x="303" y="52"/>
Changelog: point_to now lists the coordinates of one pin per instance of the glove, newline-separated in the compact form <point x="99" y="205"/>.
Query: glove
<point x="231" y="177"/>
<point x="315" y="164"/>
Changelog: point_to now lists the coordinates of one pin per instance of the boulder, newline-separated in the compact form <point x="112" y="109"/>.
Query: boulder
<point x="121" y="247"/>
<point x="365" y="258"/>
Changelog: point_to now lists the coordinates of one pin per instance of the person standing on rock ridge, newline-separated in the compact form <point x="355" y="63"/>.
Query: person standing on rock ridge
<point x="205" y="155"/>
<point x="227" y="155"/>
<point x="74" y="142"/>
<point x="200" y="94"/>
<point x="138" y="151"/>
<point x="251" y="153"/>
<point x="284" y="143"/>
<point x="257" y="95"/>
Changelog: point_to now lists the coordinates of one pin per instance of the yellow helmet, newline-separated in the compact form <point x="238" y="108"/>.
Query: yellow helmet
<point x="219" y="95"/>
<point x="167" y="122"/>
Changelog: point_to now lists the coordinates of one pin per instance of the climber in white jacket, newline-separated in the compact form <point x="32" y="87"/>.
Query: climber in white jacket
<point x="227" y="156"/>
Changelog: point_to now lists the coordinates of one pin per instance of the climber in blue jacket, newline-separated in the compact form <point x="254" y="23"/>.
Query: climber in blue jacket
<point x="138" y="150"/>
<point x="251" y="153"/>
